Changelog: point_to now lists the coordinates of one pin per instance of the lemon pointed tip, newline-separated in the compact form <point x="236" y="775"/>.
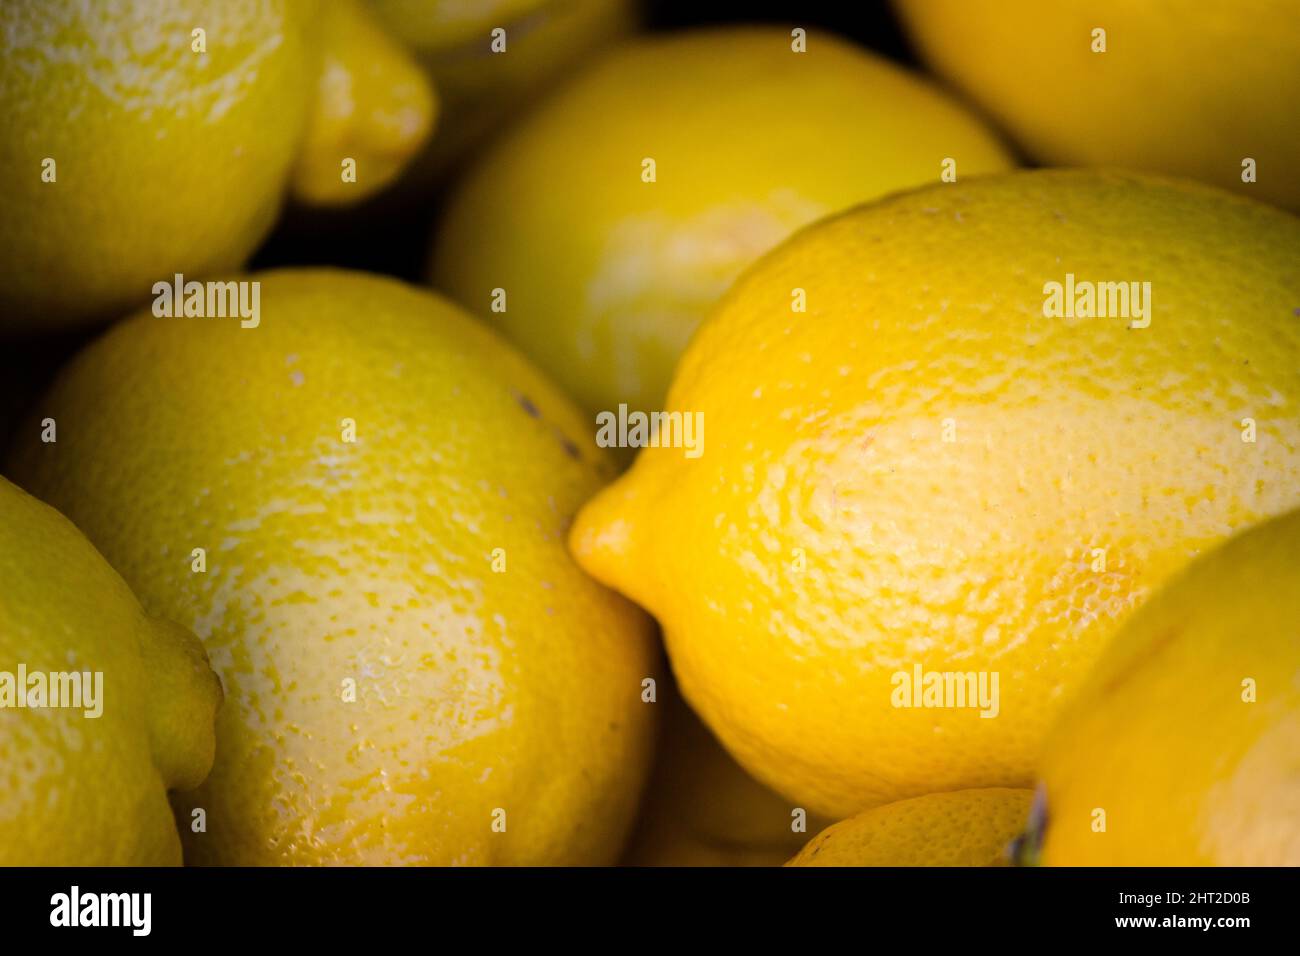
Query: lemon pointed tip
<point x="605" y="540"/>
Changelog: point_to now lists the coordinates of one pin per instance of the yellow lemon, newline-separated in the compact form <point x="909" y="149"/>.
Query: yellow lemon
<point x="962" y="828"/>
<point x="360" y="507"/>
<point x="914" y="514"/>
<point x="372" y="111"/>
<point x="103" y="708"/>
<point x="1177" y="86"/>
<point x="1183" y="746"/>
<point x="599" y="232"/>
<point x="492" y="58"/>
<point x="702" y="809"/>
<point x="150" y="137"/>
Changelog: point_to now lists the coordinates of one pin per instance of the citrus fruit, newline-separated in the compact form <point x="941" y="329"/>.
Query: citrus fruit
<point x="416" y="671"/>
<point x="1181" y="87"/>
<point x="921" y="509"/>
<point x="960" y="828"/>
<point x="702" y="809"/>
<point x="485" y="77"/>
<point x="103" y="708"/>
<point x="1182" y="748"/>
<point x="372" y="106"/>
<point x="137" y="148"/>
<point x="605" y="274"/>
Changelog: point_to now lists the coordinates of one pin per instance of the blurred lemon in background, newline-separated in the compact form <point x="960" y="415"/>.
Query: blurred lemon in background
<point x="925" y="472"/>
<point x="490" y="59"/>
<point x="139" y="148"/>
<point x="87" y="785"/>
<point x="416" y="671"/>
<point x="1183" y="746"/>
<point x="961" y="828"/>
<point x="617" y="213"/>
<point x="1182" y="87"/>
<point x="702" y="809"/>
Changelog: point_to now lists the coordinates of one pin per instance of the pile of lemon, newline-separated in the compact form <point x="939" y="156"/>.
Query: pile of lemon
<point x="983" y="548"/>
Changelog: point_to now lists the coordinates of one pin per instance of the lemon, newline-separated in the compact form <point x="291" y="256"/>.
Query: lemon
<point x="451" y="24"/>
<point x="702" y="809"/>
<point x="962" y="828"/>
<point x="490" y="59"/>
<point x="603" y="274"/>
<point x="925" y="485"/>
<point x="416" y="671"/>
<point x="85" y="783"/>
<point x="1182" y="87"/>
<point x="373" y="108"/>
<point x="1183" y="746"/>
<point x="137" y="148"/>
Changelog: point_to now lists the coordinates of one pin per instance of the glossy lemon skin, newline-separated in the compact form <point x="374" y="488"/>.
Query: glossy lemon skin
<point x="961" y="828"/>
<point x="924" y="470"/>
<point x="1186" y="735"/>
<point x="79" y="790"/>
<point x="1183" y="88"/>
<point x="169" y="159"/>
<point x="388" y="691"/>
<point x="630" y="266"/>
